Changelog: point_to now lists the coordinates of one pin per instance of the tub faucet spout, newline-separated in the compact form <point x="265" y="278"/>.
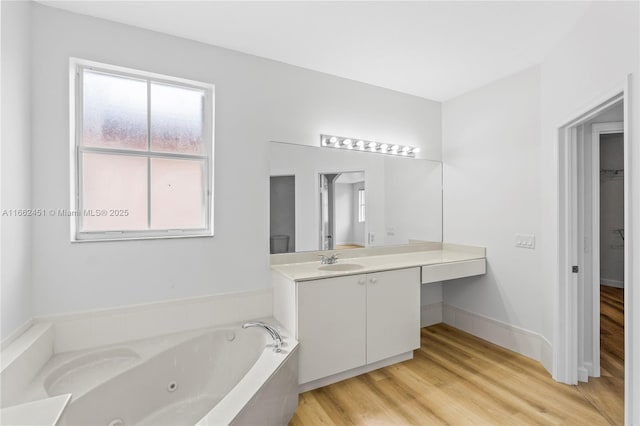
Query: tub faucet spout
<point x="275" y="335"/>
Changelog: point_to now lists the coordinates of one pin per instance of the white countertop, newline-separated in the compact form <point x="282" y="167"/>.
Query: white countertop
<point x="304" y="271"/>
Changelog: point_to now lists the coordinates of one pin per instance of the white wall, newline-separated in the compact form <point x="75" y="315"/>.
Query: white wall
<point x="590" y="63"/>
<point x="257" y="100"/>
<point x="16" y="166"/>
<point x="343" y="206"/>
<point x="491" y="192"/>
<point x="510" y="156"/>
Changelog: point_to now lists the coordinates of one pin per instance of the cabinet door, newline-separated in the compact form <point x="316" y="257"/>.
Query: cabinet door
<point x="393" y="313"/>
<point x="331" y="326"/>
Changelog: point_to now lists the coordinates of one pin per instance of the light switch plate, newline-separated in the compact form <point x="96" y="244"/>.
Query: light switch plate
<point x="527" y="241"/>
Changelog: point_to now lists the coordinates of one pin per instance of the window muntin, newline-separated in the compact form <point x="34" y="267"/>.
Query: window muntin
<point x="143" y="154"/>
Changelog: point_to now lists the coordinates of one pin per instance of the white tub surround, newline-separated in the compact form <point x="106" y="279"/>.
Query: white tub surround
<point x="91" y="329"/>
<point x="43" y="412"/>
<point x="363" y="312"/>
<point x="21" y="360"/>
<point x="209" y="376"/>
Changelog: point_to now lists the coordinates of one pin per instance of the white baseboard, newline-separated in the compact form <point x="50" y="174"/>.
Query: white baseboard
<point x="586" y="371"/>
<point x="326" y="381"/>
<point x="430" y="314"/>
<point x="612" y="283"/>
<point x="546" y="354"/>
<point x="517" y="339"/>
<point x="583" y="374"/>
<point x="109" y="326"/>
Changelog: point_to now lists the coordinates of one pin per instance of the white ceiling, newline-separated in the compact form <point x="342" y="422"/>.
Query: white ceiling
<point x="436" y="50"/>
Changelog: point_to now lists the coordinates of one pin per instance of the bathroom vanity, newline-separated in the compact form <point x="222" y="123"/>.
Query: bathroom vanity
<point x="363" y="312"/>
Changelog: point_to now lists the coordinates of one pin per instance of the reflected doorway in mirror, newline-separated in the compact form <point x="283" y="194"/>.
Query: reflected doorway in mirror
<point x="282" y="214"/>
<point x="342" y="210"/>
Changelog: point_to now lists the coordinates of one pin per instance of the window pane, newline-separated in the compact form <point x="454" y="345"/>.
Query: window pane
<point x="114" y="111"/>
<point x="177" y="194"/>
<point x="114" y="192"/>
<point x="176" y="119"/>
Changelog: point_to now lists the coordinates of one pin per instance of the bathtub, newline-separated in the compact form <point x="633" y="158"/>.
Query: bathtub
<point x="226" y="375"/>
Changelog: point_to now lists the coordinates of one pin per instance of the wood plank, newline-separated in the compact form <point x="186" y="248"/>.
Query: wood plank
<point x="606" y="392"/>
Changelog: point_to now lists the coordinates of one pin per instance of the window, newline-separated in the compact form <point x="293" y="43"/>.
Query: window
<point x="361" y="205"/>
<point x="143" y="150"/>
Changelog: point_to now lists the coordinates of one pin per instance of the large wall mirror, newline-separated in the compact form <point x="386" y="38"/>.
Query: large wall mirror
<point x="325" y="198"/>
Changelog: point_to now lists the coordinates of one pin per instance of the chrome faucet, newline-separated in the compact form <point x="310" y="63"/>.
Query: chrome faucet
<point x="277" y="338"/>
<point x="328" y="260"/>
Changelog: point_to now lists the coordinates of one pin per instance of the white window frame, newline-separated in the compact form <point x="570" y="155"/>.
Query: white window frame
<point x="77" y="66"/>
<point x="362" y="201"/>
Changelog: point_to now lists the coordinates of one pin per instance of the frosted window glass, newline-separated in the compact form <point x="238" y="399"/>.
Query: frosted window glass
<point x="114" y="192"/>
<point x="114" y="112"/>
<point x="176" y="119"/>
<point x="177" y="194"/>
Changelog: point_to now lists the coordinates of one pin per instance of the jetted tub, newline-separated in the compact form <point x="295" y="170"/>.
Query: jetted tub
<point x="226" y="375"/>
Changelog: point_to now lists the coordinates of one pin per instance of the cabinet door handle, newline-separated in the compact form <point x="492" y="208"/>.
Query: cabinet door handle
<point x="362" y="281"/>
<point x="373" y="280"/>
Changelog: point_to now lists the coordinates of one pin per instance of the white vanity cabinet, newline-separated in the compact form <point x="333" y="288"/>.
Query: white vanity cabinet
<point x="393" y="313"/>
<point x="332" y="321"/>
<point x="347" y="322"/>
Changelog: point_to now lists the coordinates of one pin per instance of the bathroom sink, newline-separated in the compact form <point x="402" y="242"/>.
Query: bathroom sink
<point x="341" y="267"/>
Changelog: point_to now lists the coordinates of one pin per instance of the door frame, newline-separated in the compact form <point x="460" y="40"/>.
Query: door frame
<point x="285" y="173"/>
<point x="565" y="348"/>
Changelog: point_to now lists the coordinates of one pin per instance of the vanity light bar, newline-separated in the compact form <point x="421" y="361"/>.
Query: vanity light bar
<point x="329" y="141"/>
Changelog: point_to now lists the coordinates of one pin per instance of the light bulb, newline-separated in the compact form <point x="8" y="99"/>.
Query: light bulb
<point x="394" y="148"/>
<point x="415" y="150"/>
<point x="372" y="146"/>
<point x="324" y="142"/>
<point x="333" y="139"/>
<point x="360" y="143"/>
<point x="383" y="147"/>
<point x="405" y="149"/>
<point x="347" y="142"/>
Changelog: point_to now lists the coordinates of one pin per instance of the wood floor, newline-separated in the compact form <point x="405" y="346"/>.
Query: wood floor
<point x="606" y="392"/>
<point x="458" y="379"/>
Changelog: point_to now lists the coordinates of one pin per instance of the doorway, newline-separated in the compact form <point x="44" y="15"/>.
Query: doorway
<point x="591" y="338"/>
<point x="612" y="181"/>
<point x="282" y="214"/>
<point x="604" y="183"/>
<point x="342" y="210"/>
